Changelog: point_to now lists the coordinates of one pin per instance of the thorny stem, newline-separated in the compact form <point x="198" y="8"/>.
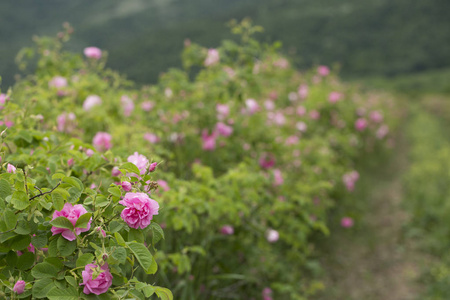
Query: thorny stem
<point x="41" y="194"/>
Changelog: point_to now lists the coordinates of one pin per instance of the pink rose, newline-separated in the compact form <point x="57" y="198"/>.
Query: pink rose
<point x="314" y="114"/>
<point x="164" y="185"/>
<point x="126" y="186"/>
<point x="350" y="179"/>
<point x="102" y="141"/>
<point x="303" y="91"/>
<point x="272" y="235"/>
<point x="72" y="213"/>
<point x="89" y="152"/>
<point x="91" y="101"/>
<point x="267" y="161"/>
<point x="19" y="287"/>
<point x="115" y="172"/>
<point x="101" y="283"/>
<point x="277" y="177"/>
<point x="334" y="97"/>
<point x="152" y="138"/>
<point x="222" y="111"/>
<point x="57" y="82"/>
<point x="347" y="222"/>
<point x="227" y="230"/>
<point x="152" y="167"/>
<point x="301" y="126"/>
<point x="382" y="131"/>
<point x="252" y="106"/>
<point x="209" y="140"/>
<point x="323" y="71"/>
<point x="147" y="105"/>
<point x="140" y="161"/>
<point x="224" y="129"/>
<point x="212" y="57"/>
<point x="139" y="210"/>
<point x="376" y="116"/>
<point x="127" y="105"/>
<point x="267" y="293"/>
<point x="360" y="124"/>
<point x="66" y="122"/>
<point x="93" y="52"/>
<point x="10" y="168"/>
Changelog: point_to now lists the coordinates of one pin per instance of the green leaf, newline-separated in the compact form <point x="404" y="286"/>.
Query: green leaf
<point x="69" y="293"/>
<point x="62" y="222"/>
<point x="53" y="248"/>
<point x="20" y="200"/>
<point x="83" y="220"/>
<point x="25" y="261"/>
<point x="10" y="219"/>
<point x="5" y="189"/>
<point x="41" y="287"/>
<point x="119" y="239"/>
<point x="39" y="241"/>
<point x="143" y="256"/>
<point x="137" y="294"/>
<point x="163" y="293"/>
<point x="44" y="270"/>
<point x="135" y="235"/>
<point x="75" y="194"/>
<point x="20" y="242"/>
<point x="130" y="167"/>
<point x="66" y="247"/>
<point x="58" y="201"/>
<point x="115" y="191"/>
<point x="115" y="226"/>
<point x="120" y="254"/>
<point x="158" y="233"/>
<point x="25" y="135"/>
<point x="148" y="290"/>
<point x="75" y="182"/>
<point x="84" y="259"/>
<point x="72" y="281"/>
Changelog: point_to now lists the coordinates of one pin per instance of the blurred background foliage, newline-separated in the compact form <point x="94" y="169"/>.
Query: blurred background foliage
<point x="368" y="39"/>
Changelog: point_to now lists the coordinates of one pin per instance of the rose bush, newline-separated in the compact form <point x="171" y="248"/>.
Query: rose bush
<point x="251" y="157"/>
<point x="61" y="231"/>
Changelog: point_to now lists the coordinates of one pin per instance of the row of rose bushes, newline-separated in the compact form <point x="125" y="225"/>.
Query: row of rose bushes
<point x="65" y="234"/>
<point x="251" y="154"/>
<point x="428" y="194"/>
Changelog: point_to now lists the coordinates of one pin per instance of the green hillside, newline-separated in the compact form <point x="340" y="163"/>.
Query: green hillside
<point x="374" y="37"/>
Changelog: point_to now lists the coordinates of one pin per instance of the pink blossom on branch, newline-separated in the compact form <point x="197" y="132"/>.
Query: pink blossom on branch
<point x="96" y="280"/>
<point x="361" y="124"/>
<point x="224" y="129"/>
<point x="208" y="140"/>
<point x="93" y="52"/>
<point x="227" y="230"/>
<point x="140" y="161"/>
<point x="323" y="71"/>
<point x="19" y="287"/>
<point x="91" y="101"/>
<point x="102" y="141"/>
<point x="57" y="82"/>
<point x="139" y="210"/>
<point x="212" y="57"/>
<point x="272" y="235"/>
<point x="347" y="222"/>
<point x="334" y="97"/>
<point x="72" y="213"/>
<point x="127" y="105"/>
<point x="151" y="137"/>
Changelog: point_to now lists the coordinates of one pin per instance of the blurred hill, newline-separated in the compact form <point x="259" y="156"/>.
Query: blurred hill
<point x="145" y="37"/>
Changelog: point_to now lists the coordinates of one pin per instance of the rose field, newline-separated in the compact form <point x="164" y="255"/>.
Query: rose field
<point x="236" y="176"/>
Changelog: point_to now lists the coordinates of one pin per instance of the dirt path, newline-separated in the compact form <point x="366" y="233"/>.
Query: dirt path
<point x="374" y="261"/>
